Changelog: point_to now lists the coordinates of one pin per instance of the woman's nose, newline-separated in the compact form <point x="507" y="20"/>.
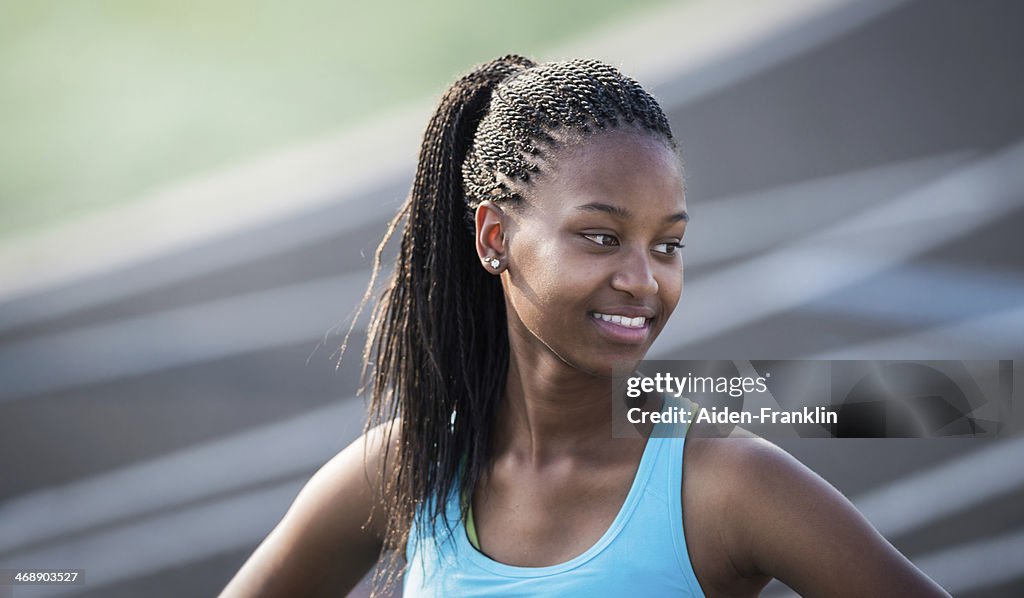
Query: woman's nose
<point x="635" y="274"/>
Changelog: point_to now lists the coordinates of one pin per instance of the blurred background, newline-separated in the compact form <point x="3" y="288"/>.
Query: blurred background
<point x="190" y="194"/>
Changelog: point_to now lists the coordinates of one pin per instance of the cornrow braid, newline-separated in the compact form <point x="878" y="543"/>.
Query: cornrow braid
<point x="436" y="355"/>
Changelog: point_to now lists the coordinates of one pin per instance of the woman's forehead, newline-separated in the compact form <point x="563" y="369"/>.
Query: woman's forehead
<point x="616" y="168"/>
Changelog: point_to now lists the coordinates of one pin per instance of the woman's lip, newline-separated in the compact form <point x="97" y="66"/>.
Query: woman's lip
<point x="623" y="334"/>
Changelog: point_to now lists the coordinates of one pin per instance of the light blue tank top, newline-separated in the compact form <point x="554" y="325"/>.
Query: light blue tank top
<point x="642" y="553"/>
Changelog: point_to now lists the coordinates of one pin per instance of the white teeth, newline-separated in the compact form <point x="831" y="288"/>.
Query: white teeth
<point x="637" y="322"/>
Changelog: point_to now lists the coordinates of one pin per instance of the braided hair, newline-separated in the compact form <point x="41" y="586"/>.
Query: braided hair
<point x="437" y="351"/>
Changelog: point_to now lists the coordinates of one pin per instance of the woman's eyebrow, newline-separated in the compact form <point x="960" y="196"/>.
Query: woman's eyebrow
<point x="623" y="214"/>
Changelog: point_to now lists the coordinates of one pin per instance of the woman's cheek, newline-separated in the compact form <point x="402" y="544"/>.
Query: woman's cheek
<point x="670" y="287"/>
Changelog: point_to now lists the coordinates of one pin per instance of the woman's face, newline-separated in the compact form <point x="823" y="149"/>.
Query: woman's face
<point x="594" y="267"/>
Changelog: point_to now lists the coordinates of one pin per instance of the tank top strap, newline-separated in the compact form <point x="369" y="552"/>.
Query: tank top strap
<point x="670" y="473"/>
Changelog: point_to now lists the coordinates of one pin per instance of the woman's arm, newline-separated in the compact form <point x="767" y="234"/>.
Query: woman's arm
<point x="784" y="521"/>
<point x="323" y="545"/>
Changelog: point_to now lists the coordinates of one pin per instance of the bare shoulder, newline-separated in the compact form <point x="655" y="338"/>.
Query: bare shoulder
<point x="357" y="471"/>
<point x="349" y="484"/>
<point x="714" y="474"/>
<point x="333" y="532"/>
<point x="727" y="463"/>
<point x="774" y="517"/>
<point x="739" y="459"/>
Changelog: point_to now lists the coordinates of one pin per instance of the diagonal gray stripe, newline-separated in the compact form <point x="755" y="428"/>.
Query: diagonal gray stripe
<point x="292" y="447"/>
<point x="178" y="337"/>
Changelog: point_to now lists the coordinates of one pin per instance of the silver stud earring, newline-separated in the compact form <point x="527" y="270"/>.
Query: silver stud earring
<point x="495" y="263"/>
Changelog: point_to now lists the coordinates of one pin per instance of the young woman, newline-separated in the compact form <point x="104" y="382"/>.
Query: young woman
<point x="541" y="249"/>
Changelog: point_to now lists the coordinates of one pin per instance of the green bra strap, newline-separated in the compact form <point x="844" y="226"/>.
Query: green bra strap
<point x="470" y="526"/>
<point x="471" y="529"/>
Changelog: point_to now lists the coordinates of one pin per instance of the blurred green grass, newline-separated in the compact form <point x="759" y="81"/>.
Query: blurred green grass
<point x="101" y="101"/>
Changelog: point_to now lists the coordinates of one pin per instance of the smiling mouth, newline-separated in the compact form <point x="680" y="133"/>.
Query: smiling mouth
<point x="638" y="322"/>
<point x="621" y="329"/>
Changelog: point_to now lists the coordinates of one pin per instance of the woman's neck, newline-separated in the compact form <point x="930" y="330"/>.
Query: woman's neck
<point x="551" y="410"/>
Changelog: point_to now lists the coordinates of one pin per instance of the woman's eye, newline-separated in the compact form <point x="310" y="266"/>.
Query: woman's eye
<point x="602" y="239"/>
<point x="668" y="248"/>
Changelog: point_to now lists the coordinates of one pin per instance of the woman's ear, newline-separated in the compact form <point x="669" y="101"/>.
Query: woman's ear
<point x="490" y="236"/>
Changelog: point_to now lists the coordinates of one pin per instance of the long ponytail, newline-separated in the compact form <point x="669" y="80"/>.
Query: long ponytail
<point x="437" y="348"/>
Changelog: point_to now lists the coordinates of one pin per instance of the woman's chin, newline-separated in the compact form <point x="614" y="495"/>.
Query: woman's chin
<point x="609" y="368"/>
